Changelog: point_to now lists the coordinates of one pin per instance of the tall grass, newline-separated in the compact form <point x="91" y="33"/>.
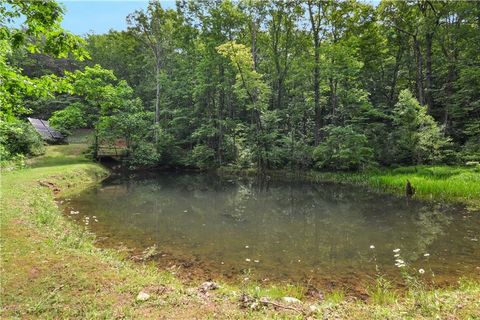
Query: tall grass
<point x="440" y="183"/>
<point x="460" y="184"/>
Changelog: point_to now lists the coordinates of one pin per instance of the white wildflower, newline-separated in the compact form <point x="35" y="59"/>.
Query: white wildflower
<point x="248" y="260"/>
<point x="396" y="255"/>
<point x="421" y="271"/>
<point x="372" y="246"/>
<point x="426" y="255"/>
<point x="396" y="250"/>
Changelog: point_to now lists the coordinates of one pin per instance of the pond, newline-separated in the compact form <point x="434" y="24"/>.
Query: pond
<point x="323" y="234"/>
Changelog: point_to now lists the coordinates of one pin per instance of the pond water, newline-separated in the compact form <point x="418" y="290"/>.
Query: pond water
<point x="323" y="234"/>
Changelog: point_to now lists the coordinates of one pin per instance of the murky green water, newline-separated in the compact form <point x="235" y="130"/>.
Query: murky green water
<point x="292" y="231"/>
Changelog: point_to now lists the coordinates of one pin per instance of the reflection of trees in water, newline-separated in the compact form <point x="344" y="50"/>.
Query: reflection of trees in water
<point x="235" y="203"/>
<point x="295" y="221"/>
<point x="431" y="224"/>
<point x="322" y="225"/>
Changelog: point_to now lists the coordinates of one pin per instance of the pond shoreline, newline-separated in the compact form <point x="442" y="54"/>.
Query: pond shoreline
<point x="92" y="282"/>
<point x="133" y="209"/>
<point x="446" y="184"/>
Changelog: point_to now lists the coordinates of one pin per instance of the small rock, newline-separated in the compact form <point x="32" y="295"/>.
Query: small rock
<point x="264" y="300"/>
<point x="143" y="296"/>
<point x="291" y="300"/>
<point x="191" y="291"/>
<point x="208" y="285"/>
<point x="313" y="308"/>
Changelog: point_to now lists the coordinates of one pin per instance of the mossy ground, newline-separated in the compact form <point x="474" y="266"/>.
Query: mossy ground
<point x="51" y="268"/>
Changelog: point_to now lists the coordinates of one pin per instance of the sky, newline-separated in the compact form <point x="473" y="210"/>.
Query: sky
<point x="99" y="16"/>
<point x="90" y="16"/>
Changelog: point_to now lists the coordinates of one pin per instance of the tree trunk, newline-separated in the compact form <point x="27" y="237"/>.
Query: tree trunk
<point x="419" y="71"/>
<point x="395" y="76"/>
<point x="157" y="99"/>
<point x="315" y="29"/>
<point x="221" y="107"/>
<point x="428" y="71"/>
<point x="333" y="98"/>
<point x="316" y="92"/>
<point x="262" y="163"/>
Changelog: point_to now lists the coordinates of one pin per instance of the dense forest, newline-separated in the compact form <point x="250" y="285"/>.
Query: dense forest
<point x="333" y="85"/>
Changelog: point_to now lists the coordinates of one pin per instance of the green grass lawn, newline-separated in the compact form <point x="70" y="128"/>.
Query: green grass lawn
<point x="51" y="268"/>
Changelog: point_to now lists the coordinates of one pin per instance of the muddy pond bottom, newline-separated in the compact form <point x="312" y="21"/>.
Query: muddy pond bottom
<point x="325" y="234"/>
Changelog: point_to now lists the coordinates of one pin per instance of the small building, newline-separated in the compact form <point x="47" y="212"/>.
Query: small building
<point x="46" y="132"/>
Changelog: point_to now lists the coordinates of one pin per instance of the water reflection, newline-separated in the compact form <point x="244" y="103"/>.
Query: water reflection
<point x="281" y="230"/>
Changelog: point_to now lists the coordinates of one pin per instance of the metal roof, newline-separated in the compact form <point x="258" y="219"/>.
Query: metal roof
<point x="44" y="129"/>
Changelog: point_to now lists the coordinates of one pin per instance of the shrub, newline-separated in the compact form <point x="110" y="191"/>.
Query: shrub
<point x="471" y="150"/>
<point x="343" y="149"/>
<point x="71" y="117"/>
<point x="18" y="138"/>
<point x="144" y="154"/>
<point x="203" y="156"/>
<point x="417" y="137"/>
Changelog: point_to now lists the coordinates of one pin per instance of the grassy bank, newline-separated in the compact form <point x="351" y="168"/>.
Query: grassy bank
<point x="52" y="269"/>
<point x="438" y="183"/>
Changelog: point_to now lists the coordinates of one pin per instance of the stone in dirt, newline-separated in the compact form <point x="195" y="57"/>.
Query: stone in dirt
<point x="291" y="300"/>
<point x="313" y="308"/>
<point x="208" y="285"/>
<point x="143" y="296"/>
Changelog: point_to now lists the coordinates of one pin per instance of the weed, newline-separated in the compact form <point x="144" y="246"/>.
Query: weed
<point x="382" y="292"/>
<point x="335" y="296"/>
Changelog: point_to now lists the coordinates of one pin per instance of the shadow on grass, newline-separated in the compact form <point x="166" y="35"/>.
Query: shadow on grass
<point x="53" y="162"/>
<point x="61" y="155"/>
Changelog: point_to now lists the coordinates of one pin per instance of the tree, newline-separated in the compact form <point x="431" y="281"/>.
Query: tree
<point x="154" y="29"/>
<point x="262" y="83"/>
<point x="41" y="34"/>
<point x="250" y="88"/>
<point x="343" y="149"/>
<point x="316" y="13"/>
<point x="418" y="139"/>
